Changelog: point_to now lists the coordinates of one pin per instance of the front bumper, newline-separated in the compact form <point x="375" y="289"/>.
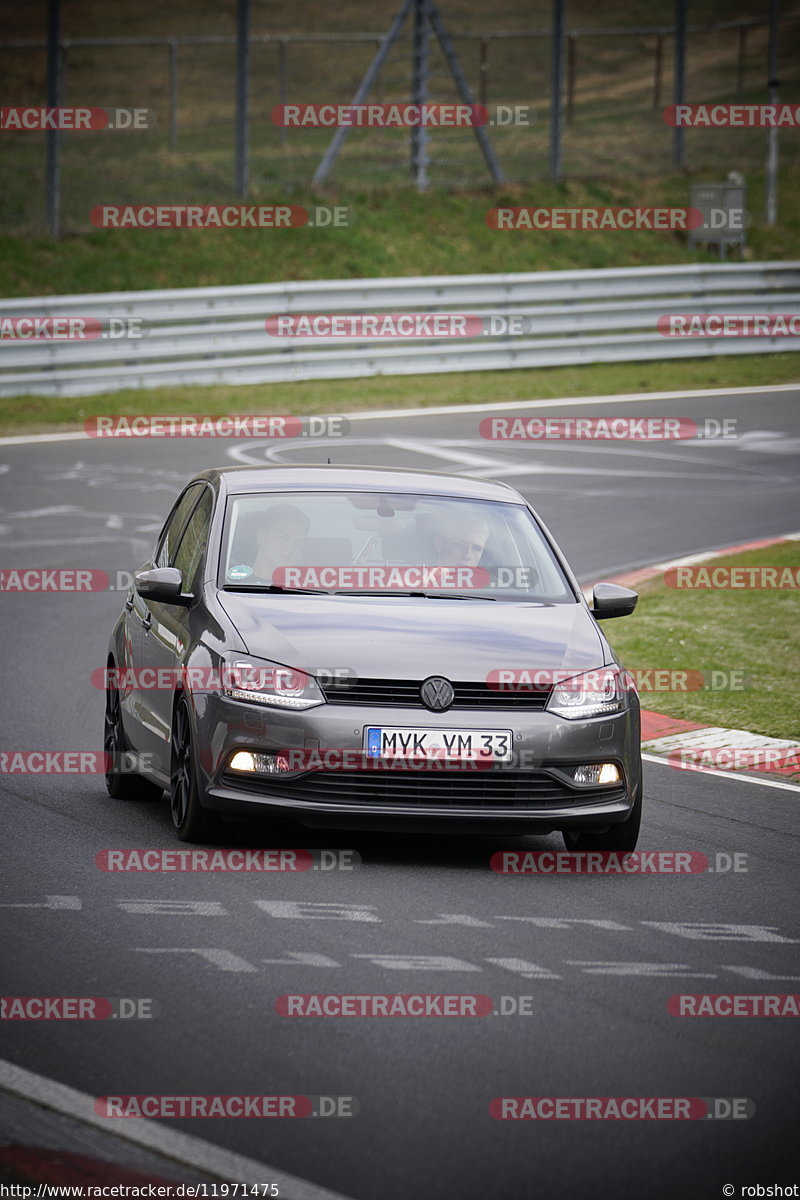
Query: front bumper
<point x="535" y="791"/>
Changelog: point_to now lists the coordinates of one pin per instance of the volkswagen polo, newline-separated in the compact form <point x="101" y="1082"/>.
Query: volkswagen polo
<point x="378" y="649"/>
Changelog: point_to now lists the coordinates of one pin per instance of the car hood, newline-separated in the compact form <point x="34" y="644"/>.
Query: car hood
<point x="410" y="637"/>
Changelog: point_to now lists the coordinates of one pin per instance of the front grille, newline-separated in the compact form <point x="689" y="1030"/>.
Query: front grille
<point x="404" y="693"/>
<point x="496" y="788"/>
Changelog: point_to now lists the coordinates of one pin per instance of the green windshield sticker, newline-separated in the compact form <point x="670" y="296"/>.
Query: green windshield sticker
<point x="240" y="572"/>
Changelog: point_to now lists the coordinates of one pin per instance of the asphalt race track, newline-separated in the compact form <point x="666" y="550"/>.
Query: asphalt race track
<point x="598" y="956"/>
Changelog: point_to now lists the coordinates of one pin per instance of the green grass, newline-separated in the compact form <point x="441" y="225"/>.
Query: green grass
<point x="390" y="233"/>
<point x="750" y="630"/>
<point x="32" y="414"/>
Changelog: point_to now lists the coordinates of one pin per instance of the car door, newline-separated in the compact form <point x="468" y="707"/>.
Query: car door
<point x="163" y="630"/>
<point x="165" y="637"/>
<point x="134" y="702"/>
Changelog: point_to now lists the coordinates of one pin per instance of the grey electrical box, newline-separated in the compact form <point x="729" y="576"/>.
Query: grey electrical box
<point x="724" y="215"/>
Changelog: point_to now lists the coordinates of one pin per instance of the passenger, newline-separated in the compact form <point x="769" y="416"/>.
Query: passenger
<point x="281" y="535"/>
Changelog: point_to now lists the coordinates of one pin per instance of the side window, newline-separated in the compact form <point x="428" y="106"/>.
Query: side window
<point x="189" y="556"/>
<point x="171" y="532"/>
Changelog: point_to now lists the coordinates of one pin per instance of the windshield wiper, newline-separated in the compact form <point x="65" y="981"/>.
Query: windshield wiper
<point x="272" y="587"/>
<point x="421" y="595"/>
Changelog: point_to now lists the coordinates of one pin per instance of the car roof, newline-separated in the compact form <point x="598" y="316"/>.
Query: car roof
<point x="366" y="479"/>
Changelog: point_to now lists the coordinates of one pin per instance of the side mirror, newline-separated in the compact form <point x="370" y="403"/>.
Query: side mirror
<point x="612" y="600"/>
<point x="163" y="584"/>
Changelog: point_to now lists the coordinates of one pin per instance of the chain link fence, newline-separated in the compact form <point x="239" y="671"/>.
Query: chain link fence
<point x="617" y="81"/>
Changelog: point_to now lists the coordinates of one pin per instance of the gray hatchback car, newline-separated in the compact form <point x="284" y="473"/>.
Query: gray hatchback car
<point x="368" y="648"/>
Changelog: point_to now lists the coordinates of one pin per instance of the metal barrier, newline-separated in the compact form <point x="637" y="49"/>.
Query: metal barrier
<point x="217" y="335"/>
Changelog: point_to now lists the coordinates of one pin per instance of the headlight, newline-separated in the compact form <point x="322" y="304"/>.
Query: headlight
<point x="266" y="683"/>
<point x="591" y="694"/>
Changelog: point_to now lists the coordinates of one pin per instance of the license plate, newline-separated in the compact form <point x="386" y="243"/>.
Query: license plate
<point x="481" y="745"/>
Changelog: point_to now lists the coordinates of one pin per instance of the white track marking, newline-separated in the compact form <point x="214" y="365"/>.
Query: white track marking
<point x="619" y="398"/>
<point x="450" y="452"/>
<point x="31" y="438"/>
<point x="483" y="465"/>
<point x="733" y="775"/>
<point x="455" y="409"/>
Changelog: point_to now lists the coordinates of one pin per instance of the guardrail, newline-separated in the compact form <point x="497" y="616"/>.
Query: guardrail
<point x="217" y="335"/>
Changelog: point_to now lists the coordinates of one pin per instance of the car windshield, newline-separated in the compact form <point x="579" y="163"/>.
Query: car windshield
<point x="379" y="543"/>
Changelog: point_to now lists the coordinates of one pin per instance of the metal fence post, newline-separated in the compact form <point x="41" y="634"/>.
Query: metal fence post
<point x="571" y="67"/>
<point x="330" y="155"/>
<point x="483" y="75"/>
<point x="772" y="137"/>
<point x="242" y="81"/>
<point x="52" y="162"/>
<point x="659" y="59"/>
<point x="556" y="88"/>
<point x="378" y="77"/>
<point x="173" y="93"/>
<point x="741" y="63"/>
<point x="680" y="78"/>
<point x="283" y="81"/>
<point x="420" y="93"/>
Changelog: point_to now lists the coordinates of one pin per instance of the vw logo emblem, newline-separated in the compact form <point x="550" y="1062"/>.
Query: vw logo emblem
<point x="436" y="693"/>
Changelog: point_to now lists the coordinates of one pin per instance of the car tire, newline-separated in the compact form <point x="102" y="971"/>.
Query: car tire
<point x="621" y="837"/>
<point x="121" y="783"/>
<point x="192" y="822"/>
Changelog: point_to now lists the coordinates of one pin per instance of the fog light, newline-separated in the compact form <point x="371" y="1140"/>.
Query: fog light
<point x="597" y="773"/>
<point x="258" y="764"/>
<point x="242" y="760"/>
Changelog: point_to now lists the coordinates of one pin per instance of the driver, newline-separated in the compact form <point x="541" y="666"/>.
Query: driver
<point x="279" y="543"/>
